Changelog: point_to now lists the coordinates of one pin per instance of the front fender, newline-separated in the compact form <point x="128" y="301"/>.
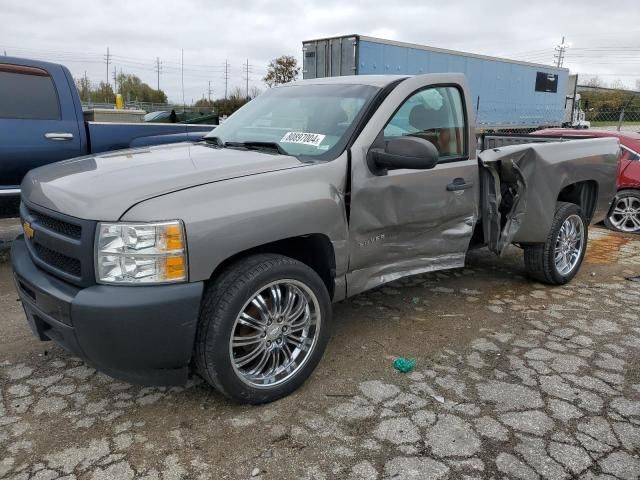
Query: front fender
<point x="228" y="217"/>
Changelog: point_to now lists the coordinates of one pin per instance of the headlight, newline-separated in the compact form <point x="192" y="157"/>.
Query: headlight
<point x="141" y="253"/>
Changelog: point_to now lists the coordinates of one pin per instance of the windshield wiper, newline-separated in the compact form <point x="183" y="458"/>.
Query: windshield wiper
<point x="257" y="146"/>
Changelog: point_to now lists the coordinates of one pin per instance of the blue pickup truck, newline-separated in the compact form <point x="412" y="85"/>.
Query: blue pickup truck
<point x="41" y="122"/>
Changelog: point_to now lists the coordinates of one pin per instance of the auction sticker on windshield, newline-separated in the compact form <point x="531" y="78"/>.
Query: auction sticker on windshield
<point x="303" y="138"/>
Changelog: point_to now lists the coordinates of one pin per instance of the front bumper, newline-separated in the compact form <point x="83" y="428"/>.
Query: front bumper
<point x="142" y="335"/>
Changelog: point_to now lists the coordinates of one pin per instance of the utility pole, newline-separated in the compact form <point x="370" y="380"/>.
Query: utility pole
<point x="226" y="78"/>
<point x="247" y="69"/>
<point x="561" y="49"/>
<point x="158" y="69"/>
<point x="210" y="91"/>
<point x="85" y="88"/>
<point x="108" y="58"/>
<point x="182" y="76"/>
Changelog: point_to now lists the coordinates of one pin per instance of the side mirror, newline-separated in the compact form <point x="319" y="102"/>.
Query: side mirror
<point x="404" y="152"/>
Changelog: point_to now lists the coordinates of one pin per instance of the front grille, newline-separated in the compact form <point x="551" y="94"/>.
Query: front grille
<point x="61" y="245"/>
<point x="58" y="226"/>
<point x="58" y="260"/>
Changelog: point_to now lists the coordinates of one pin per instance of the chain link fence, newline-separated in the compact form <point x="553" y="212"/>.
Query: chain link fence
<point x="616" y="120"/>
<point x="148" y="107"/>
<point x="622" y="120"/>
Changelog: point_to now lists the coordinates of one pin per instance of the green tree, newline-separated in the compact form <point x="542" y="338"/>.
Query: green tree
<point x="134" y="89"/>
<point x="281" y="70"/>
<point x="204" y="103"/>
<point x="83" y="85"/>
<point x="103" y="93"/>
<point x="226" y="106"/>
<point x="235" y="100"/>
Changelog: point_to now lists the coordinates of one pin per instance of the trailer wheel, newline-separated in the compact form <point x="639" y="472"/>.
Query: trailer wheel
<point x="264" y="325"/>
<point x="558" y="259"/>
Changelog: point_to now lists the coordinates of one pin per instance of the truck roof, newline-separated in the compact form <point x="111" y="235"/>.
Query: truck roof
<point x="28" y="62"/>
<point x="372" y="80"/>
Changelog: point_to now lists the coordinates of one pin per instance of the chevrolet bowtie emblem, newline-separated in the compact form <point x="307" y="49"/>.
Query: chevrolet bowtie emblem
<point x="28" y="230"/>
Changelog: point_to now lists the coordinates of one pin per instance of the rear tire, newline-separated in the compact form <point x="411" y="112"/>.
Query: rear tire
<point x="624" y="215"/>
<point x="558" y="259"/>
<point x="264" y="325"/>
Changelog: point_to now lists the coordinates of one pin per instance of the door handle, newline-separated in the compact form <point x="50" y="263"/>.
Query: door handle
<point x="58" y="136"/>
<point x="459" y="184"/>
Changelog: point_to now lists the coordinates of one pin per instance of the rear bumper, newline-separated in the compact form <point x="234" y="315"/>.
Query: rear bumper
<point x="142" y="335"/>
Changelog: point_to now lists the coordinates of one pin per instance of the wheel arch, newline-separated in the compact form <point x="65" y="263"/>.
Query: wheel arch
<point x="314" y="250"/>
<point x="584" y="194"/>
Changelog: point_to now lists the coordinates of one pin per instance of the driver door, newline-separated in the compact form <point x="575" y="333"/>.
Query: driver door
<point x="407" y="221"/>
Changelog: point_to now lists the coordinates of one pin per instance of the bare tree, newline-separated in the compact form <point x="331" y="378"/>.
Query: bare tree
<point x="618" y="85"/>
<point x="237" y="93"/>
<point x="595" y="81"/>
<point x="254" y="92"/>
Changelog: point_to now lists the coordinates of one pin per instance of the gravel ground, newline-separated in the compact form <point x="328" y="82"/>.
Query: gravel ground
<point x="9" y="229"/>
<point x="513" y="380"/>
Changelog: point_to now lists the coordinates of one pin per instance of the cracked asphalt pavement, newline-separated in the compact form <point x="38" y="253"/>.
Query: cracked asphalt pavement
<point x="514" y="379"/>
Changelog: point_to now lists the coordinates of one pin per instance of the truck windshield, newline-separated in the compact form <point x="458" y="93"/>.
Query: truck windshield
<point x="301" y="120"/>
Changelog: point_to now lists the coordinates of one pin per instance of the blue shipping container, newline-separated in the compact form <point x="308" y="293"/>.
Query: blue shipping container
<point x="508" y="93"/>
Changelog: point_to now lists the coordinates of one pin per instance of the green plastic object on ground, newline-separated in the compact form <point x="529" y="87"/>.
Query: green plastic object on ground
<point x="404" y="365"/>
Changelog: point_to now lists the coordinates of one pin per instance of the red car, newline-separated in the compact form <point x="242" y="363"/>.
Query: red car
<point x="624" y="215"/>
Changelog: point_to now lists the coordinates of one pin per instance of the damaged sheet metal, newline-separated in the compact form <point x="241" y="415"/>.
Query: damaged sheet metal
<point x="521" y="185"/>
<point x="407" y="222"/>
<point x="503" y="188"/>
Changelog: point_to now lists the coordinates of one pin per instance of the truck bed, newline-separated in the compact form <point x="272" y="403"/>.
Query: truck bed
<point x="106" y="136"/>
<point x="521" y="175"/>
<point x="489" y="141"/>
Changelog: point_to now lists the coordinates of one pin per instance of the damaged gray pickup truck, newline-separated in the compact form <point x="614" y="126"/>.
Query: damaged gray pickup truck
<point x="223" y="257"/>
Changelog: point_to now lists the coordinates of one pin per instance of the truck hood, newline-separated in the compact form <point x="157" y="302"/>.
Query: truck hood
<point x="105" y="186"/>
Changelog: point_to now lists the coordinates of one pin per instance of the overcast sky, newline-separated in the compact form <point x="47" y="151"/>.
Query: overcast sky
<point x="604" y="36"/>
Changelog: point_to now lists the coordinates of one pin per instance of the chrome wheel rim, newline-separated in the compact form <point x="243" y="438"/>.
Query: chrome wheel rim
<point x="625" y="214"/>
<point x="274" y="334"/>
<point x="569" y="244"/>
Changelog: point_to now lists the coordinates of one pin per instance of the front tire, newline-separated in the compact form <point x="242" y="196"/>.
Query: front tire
<point x="264" y="325"/>
<point x="557" y="261"/>
<point x="624" y="215"/>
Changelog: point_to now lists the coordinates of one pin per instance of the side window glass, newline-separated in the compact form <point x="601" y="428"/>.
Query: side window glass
<point x="435" y="114"/>
<point x="628" y="155"/>
<point x="27" y="96"/>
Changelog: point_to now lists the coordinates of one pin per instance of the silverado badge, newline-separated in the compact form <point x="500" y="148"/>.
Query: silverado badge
<point x="28" y="230"/>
